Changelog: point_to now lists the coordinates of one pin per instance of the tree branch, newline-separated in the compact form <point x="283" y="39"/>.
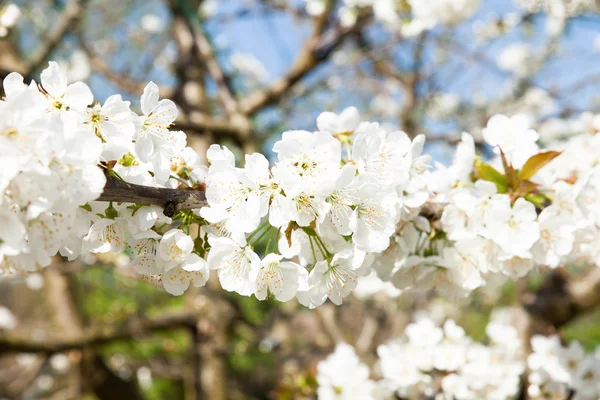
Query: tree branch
<point x="200" y="122"/>
<point x="314" y="52"/>
<point x="105" y="383"/>
<point x="205" y="49"/>
<point x="225" y="89"/>
<point x="127" y="82"/>
<point x="73" y="11"/>
<point x="561" y="298"/>
<point x="99" y="336"/>
<point x="63" y="24"/>
<point x="172" y="200"/>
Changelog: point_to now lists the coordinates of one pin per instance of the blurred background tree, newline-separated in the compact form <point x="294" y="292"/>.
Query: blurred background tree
<point x="242" y="72"/>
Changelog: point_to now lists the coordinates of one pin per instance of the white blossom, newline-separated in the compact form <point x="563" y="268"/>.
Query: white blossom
<point x="234" y="264"/>
<point x="343" y="376"/>
<point x="279" y="278"/>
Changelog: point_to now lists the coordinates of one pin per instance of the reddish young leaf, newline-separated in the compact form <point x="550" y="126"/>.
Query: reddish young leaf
<point x="509" y="172"/>
<point x="537" y="162"/>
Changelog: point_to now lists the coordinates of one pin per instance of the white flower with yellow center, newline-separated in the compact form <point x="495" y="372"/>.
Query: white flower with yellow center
<point x="305" y="160"/>
<point x="154" y="142"/>
<point x="306" y="208"/>
<point x="373" y="219"/>
<point x="145" y="253"/>
<point x="61" y="96"/>
<point x="382" y="156"/>
<point x="281" y="279"/>
<point x="334" y="280"/>
<point x="175" y="246"/>
<point x="342" y="199"/>
<point x="233" y="199"/>
<point x="158" y="115"/>
<point x="106" y="236"/>
<point x="556" y="238"/>
<point x="234" y="262"/>
<point x="193" y="271"/>
<point x="462" y="263"/>
<point x="515" y="229"/>
<point x="114" y="123"/>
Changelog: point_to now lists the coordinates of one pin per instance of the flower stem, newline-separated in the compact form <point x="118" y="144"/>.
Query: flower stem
<point x="326" y="253"/>
<point x="180" y="180"/>
<point x="264" y="232"/>
<point x="312" y="248"/>
<point x="260" y="228"/>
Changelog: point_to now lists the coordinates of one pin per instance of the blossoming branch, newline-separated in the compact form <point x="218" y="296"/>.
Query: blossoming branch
<point x="350" y="198"/>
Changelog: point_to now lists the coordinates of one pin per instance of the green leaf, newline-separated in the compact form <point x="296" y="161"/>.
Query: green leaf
<point x="489" y="173"/>
<point x="537" y="162"/>
<point x="135" y="208"/>
<point x="111" y="212"/>
<point x="128" y="160"/>
<point x="538" y="201"/>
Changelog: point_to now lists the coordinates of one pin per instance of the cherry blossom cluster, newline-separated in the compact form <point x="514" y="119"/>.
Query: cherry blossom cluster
<point x="442" y="362"/>
<point x="431" y="361"/>
<point x="331" y="201"/>
<point x="527" y="208"/>
<point x="411" y="17"/>
<point x="558" y="371"/>
<point x="336" y="204"/>
<point x="569" y="7"/>
<point x="56" y="149"/>
<point x="49" y="163"/>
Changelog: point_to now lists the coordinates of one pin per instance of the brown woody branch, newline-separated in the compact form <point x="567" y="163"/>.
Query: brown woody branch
<point x="172" y="200"/>
<point x="64" y="23"/>
<point x="315" y="51"/>
<point x="208" y="57"/>
<point x="225" y="89"/>
<point x="269" y="6"/>
<point x="559" y="300"/>
<point x="198" y="122"/>
<point x="99" y="336"/>
<point x="237" y="125"/>
<point x="127" y="82"/>
<point x="562" y="298"/>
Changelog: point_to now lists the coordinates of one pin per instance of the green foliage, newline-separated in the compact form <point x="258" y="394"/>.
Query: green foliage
<point x="586" y="330"/>
<point x="474" y="322"/>
<point x="163" y="388"/>
<point x="174" y="343"/>
<point x="490" y="174"/>
<point x="247" y="354"/>
<point x="516" y="182"/>
<point x="109" y="297"/>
